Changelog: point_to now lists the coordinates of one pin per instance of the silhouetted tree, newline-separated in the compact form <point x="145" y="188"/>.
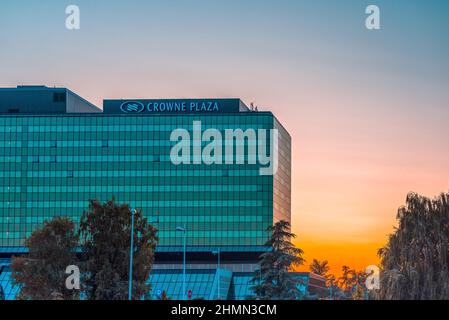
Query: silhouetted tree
<point x="331" y="284"/>
<point x="359" y="289"/>
<point x="105" y="230"/>
<point x="352" y="283"/>
<point x="347" y="280"/>
<point x="415" y="261"/>
<point x="273" y="280"/>
<point x="320" y="268"/>
<point x="40" y="274"/>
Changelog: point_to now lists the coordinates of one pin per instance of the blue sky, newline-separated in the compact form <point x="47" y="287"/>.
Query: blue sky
<point x="216" y="37"/>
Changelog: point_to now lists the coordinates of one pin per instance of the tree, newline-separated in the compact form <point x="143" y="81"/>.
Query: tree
<point x="359" y="289"/>
<point x="352" y="283"/>
<point x="415" y="261"/>
<point x="40" y="274"/>
<point x="320" y="268"/>
<point x="105" y="230"/>
<point x="347" y="279"/>
<point x="331" y="284"/>
<point x="274" y="281"/>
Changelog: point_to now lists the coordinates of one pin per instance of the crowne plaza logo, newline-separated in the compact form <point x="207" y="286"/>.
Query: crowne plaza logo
<point x="132" y="107"/>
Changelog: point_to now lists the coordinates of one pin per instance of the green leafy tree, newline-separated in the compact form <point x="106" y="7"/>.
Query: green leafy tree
<point x="105" y="231"/>
<point x="415" y="261"/>
<point x="40" y="274"/>
<point x="273" y="281"/>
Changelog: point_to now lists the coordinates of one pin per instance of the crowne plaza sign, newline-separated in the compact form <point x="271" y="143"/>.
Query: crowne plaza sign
<point x="167" y="106"/>
<point x="194" y="106"/>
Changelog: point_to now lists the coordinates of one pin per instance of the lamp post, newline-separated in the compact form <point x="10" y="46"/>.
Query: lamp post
<point x="217" y="252"/>
<point x="131" y="251"/>
<point x="183" y="229"/>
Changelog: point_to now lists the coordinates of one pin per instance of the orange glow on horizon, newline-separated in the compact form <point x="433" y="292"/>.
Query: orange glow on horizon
<point x="357" y="256"/>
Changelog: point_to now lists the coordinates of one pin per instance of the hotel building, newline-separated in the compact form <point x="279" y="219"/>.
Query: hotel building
<point x="57" y="151"/>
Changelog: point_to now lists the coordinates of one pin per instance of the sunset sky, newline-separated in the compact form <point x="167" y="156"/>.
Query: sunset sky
<point x="368" y="111"/>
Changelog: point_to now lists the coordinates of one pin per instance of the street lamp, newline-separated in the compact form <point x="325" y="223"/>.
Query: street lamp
<point x="131" y="251"/>
<point x="183" y="229"/>
<point x="217" y="252"/>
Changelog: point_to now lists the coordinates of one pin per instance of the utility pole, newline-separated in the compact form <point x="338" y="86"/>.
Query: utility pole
<point x="183" y="229"/>
<point x="131" y="252"/>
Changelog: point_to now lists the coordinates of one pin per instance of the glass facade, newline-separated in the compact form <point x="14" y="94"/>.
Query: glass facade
<point x="9" y="289"/>
<point x="201" y="283"/>
<point x="282" y="178"/>
<point x="50" y="165"/>
<point x="241" y="284"/>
